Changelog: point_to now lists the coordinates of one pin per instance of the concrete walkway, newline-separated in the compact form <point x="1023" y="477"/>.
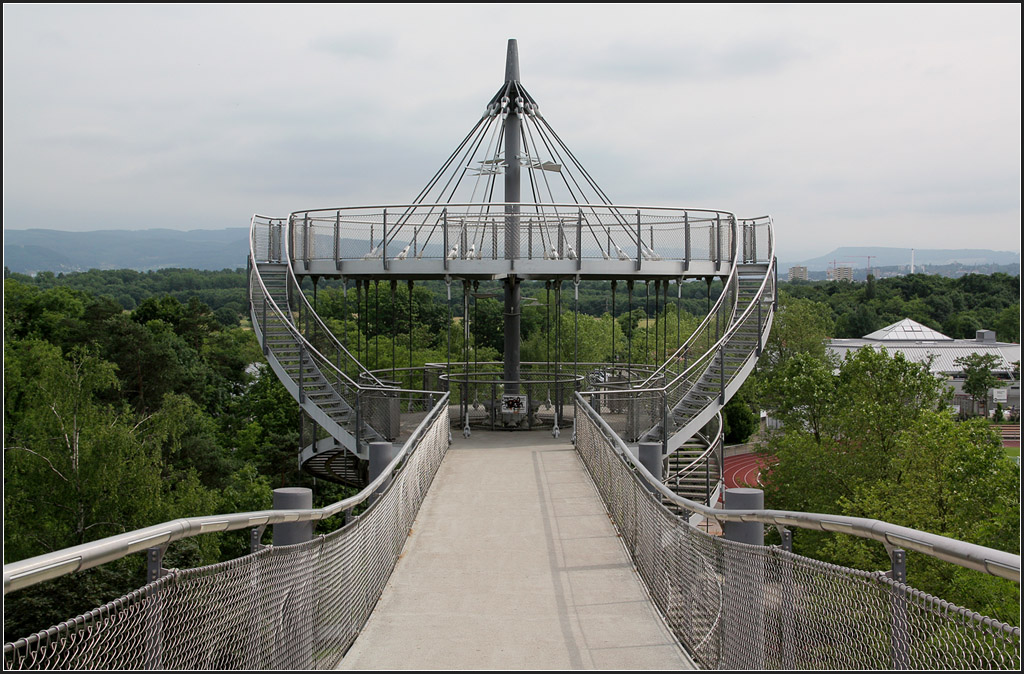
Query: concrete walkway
<point x="513" y="564"/>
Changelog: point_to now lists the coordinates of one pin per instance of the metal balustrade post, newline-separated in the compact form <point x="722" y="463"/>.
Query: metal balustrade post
<point x="337" y="240"/>
<point x="306" y="241"/>
<point x="155" y="562"/>
<point x="686" y="237"/>
<point x="263" y="336"/>
<point x="384" y="240"/>
<point x="444" y="232"/>
<point x="579" y="240"/>
<point x="900" y="639"/>
<point x="302" y="367"/>
<point x="639" y="239"/>
<point x="721" y="375"/>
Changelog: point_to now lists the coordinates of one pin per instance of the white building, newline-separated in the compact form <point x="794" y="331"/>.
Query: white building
<point x="919" y="344"/>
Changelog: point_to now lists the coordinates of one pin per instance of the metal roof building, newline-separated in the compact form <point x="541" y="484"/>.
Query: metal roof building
<point x="919" y="343"/>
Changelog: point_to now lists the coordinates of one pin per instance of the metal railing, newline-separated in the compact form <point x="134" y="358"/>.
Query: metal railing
<point x="292" y="607"/>
<point x="739" y="606"/>
<point x="401" y="234"/>
<point x="320" y="384"/>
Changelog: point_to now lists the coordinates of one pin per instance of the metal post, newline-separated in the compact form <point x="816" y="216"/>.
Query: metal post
<point x="155" y="562"/>
<point x="512" y="198"/>
<point x="384" y="240"/>
<point x="305" y="240"/>
<point x="293" y="498"/>
<point x="579" y="240"/>
<point x="639" y="241"/>
<point x="302" y="366"/>
<point x="686" y="234"/>
<point x="444" y="231"/>
<point x="652" y="459"/>
<point x="337" y="240"/>
<point x="900" y="628"/>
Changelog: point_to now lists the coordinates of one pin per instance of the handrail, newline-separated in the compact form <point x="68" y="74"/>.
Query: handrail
<point x="27" y="572"/>
<point x="712" y="447"/>
<point x="319" y="321"/>
<point x="968" y="555"/>
<point x="733" y="325"/>
<point x="733" y="272"/>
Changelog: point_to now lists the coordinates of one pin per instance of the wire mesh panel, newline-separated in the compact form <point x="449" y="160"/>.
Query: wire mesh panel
<point x="285" y="607"/>
<point x="740" y="606"/>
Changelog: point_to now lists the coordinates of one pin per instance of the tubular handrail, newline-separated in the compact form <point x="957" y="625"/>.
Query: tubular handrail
<point x="493" y="213"/>
<point x="968" y="555"/>
<point x="712" y="447"/>
<point x="27" y="572"/>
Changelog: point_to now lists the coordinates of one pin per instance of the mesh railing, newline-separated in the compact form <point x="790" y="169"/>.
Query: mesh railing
<point x="738" y="606"/>
<point x="477" y="231"/>
<point x="285" y="607"/>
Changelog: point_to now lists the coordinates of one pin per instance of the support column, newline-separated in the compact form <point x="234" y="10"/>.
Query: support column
<point x="743" y="498"/>
<point x="651" y="458"/>
<point x="512" y="198"/>
<point x="381" y="454"/>
<point x="293" y="498"/>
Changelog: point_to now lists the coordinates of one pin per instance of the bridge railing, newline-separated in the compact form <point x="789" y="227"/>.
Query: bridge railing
<point x="282" y="607"/>
<point x="739" y="606"/>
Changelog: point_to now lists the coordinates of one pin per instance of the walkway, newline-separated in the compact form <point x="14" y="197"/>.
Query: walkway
<point x="513" y="564"/>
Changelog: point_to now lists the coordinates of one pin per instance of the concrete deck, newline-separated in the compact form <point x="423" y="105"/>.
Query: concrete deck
<point x="513" y="564"/>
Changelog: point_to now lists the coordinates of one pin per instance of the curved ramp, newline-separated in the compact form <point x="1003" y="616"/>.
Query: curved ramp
<point x="513" y="564"/>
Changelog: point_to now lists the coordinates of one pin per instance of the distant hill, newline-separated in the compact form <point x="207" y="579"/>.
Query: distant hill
<point x="900" y="257"/>
<point x="28" y="251"/>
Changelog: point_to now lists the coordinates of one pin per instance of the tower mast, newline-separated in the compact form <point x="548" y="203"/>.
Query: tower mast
<point x="512" y="197"/>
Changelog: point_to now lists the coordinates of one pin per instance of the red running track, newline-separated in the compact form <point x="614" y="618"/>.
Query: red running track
<point x="744" y="470"/>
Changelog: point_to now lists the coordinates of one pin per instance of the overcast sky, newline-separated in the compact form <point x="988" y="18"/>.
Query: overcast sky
<point x="852" y="125"/>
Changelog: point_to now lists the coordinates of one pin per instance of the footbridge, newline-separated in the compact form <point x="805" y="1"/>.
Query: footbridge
<point x="555" y="514"/>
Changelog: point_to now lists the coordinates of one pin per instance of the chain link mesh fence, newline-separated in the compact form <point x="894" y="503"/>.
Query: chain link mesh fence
<point x="285" y="607"/>
<point x="738" y="606"/>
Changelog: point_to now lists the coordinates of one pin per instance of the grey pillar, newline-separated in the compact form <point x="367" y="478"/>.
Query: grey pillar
<point x="652" y="459"/>
<point x="293" y="498"/>
<point x="742" y="498"/>
<point x="743" y="628"/>
<point x="512" y="198"/>
<point x="381" y="454"/>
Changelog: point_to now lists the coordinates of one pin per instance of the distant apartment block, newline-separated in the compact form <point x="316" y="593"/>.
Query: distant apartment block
<point x="798" y="273"/>
<point x="843" y="272"/>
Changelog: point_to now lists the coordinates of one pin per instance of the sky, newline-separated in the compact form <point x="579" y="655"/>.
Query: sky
<point x="878" y="125"/>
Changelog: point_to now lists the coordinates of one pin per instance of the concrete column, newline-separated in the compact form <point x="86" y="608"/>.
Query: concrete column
<point x="742" y="498"/>
<point x="652" y="459"/>
<point x="293" y="498"/>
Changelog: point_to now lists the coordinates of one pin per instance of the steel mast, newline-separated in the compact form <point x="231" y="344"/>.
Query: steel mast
<point x="513" y="296"/>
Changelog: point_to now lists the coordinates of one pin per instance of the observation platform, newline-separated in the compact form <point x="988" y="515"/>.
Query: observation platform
<point x="513" y="563"/>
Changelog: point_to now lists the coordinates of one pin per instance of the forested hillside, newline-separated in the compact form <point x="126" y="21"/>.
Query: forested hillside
<point x="133" y="398"/>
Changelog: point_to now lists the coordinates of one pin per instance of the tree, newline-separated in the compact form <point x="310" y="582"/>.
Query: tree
<point x="952" y="479"/>
<point x="978" y="378"/>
